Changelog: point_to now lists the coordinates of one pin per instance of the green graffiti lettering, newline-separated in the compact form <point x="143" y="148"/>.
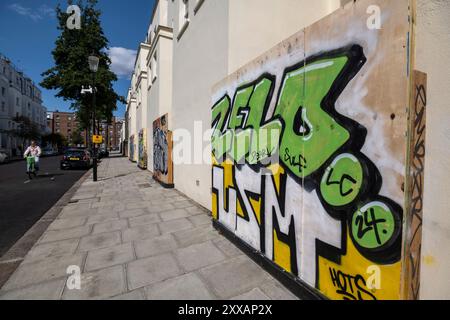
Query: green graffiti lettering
<point x="342" y="181"/>
<point x="311" y="135"/>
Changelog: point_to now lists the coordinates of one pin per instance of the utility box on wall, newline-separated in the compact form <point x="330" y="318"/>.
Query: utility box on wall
<point x="312" y="149"/>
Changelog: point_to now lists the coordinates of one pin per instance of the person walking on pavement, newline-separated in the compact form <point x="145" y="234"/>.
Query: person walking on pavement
<point x="33" y="151"/>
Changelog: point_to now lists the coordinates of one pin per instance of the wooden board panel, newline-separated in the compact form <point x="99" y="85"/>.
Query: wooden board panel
<point x="417" y="152"/>
<point x="162" y="152"/>
<point x="309" y="149"/>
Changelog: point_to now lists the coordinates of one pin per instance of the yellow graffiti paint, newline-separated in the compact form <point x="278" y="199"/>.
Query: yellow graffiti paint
<point x="277" y="171"/>
<point x="354" y="265"/>
<point x="256" y="205"/>
<point x="214" y="207"/>
<point x="239" y="210"/>
<point x="281" y="253"/>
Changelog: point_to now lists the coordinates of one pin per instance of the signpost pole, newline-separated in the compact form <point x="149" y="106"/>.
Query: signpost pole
<point x="93" y="130"/>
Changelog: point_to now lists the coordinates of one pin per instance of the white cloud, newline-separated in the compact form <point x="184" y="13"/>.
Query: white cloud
<point x="34" y="14"/>
<point x="122" y="61"/>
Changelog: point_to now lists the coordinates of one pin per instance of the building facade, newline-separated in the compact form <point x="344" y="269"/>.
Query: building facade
<point x="19" y="97"/>
<point x="66" y="124"/>
<point x="193" y="45"/>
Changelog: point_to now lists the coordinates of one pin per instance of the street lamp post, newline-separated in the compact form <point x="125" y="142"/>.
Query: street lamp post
<point x="93" y="66"/>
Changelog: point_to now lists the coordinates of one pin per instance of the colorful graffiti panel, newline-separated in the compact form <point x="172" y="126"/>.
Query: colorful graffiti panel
<point x="142" y="151"/>
<point x="308" y="162"/>
<point x="162" y="152"/>
<point x="131" y="155"/>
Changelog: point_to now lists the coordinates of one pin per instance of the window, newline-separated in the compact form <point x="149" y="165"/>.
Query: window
<point x="154" y="66"/>
<point x="3" y="91"/>
<point x="17" y="101"/>
<point x="3" y="106"/>
<point x="183" y="21"/>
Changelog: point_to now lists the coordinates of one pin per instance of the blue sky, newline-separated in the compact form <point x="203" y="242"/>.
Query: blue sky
<point x="28" y="31"/>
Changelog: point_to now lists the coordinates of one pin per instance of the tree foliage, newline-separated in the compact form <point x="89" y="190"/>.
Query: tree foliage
<point x="71" y="71"/>
<point x="25" y="130"/>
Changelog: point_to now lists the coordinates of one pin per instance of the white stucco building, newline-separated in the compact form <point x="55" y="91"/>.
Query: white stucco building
<point x="19" y="96"/>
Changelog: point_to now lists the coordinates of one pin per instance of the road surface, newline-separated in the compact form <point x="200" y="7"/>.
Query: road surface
<point x="23" y="202"/>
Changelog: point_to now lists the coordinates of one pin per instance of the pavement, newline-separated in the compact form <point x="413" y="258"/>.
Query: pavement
<point x="133" y="240"/>
<point x="23" y="202"/>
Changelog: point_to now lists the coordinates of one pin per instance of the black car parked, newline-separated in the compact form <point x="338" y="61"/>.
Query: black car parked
<point x="76" y="158"/>
<point x="103" y="154"/>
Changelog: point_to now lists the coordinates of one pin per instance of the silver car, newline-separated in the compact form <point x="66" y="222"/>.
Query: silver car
<point x="4" y="157"/>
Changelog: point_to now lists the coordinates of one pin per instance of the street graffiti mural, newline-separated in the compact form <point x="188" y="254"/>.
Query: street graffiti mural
<point x="131" y="156"/>
<point x="143" y="157"/>
<point x="162" y="152"/>
<point x="297" y="180"/>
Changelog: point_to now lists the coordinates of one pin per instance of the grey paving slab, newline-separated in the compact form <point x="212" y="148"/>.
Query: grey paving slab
<point x="68" y="223"/>
<point x="185" y="287"/>
<point x="200" y="219"/>
<point x="114" y="225"/>
<point x="144" y="220"/>
<point x="137" y="205"/>
<point x="135" y="240"/>
<point x="276" y="291"/>
<point x="57" y="235"/>
<point x="227" y="247"/>
<point x="195" y="235"/>
<point x="102" y="284"/>
<point x="140" y="233"/>
<point x="104" y="217"/>
<point x="173" y="214"/>
<point x="108" y="257"/>
<point x="133" y="296"/>
<point x="234" y="277"/>
<point x="254" y="294"/>
<point x="50" y="269"/>
<point x="155" y="246"/>
<point x="44" y="251"/>
<point x="132" y="213"/>
<point x="198" y="256"/>
<point x="99" y="241"/>
<point x="51" y="290"/>
<point x="183" y="204"/>
<point x="144" y="272"/>
<point x="160" y="206"/>
<point x="196" y="210"/>
<point x="175" y="225"/>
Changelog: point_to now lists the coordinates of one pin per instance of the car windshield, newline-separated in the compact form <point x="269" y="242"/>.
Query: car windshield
<point x="74" y="153"/>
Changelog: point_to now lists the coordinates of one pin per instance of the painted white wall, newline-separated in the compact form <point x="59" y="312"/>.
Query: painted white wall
<point x="432" y="57"/>
<point x="159" y="86"/>
<point x="255" y="26"/>
<point x="221" y="37"/>
<point x="200" y="59"/>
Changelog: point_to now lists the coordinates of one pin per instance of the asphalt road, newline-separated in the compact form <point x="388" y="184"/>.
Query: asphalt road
<point x="23" y="202"/>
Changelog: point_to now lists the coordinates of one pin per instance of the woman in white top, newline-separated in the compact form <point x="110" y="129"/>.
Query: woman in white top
<point x="35" y="151"/>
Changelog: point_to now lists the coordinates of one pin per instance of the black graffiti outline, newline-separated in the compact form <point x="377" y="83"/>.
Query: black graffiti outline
<point x="372" y="179"/>
<point x="417" y="185"/>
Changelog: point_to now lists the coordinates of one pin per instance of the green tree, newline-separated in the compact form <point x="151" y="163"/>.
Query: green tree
<point x="71" y="71"/>
<point x="76" y="138"/>
<point x="25" y="130"/>
<point x="54" y="139"/>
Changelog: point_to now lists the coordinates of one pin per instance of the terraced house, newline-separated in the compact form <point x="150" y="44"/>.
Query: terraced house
<point x="19" y="96"/>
